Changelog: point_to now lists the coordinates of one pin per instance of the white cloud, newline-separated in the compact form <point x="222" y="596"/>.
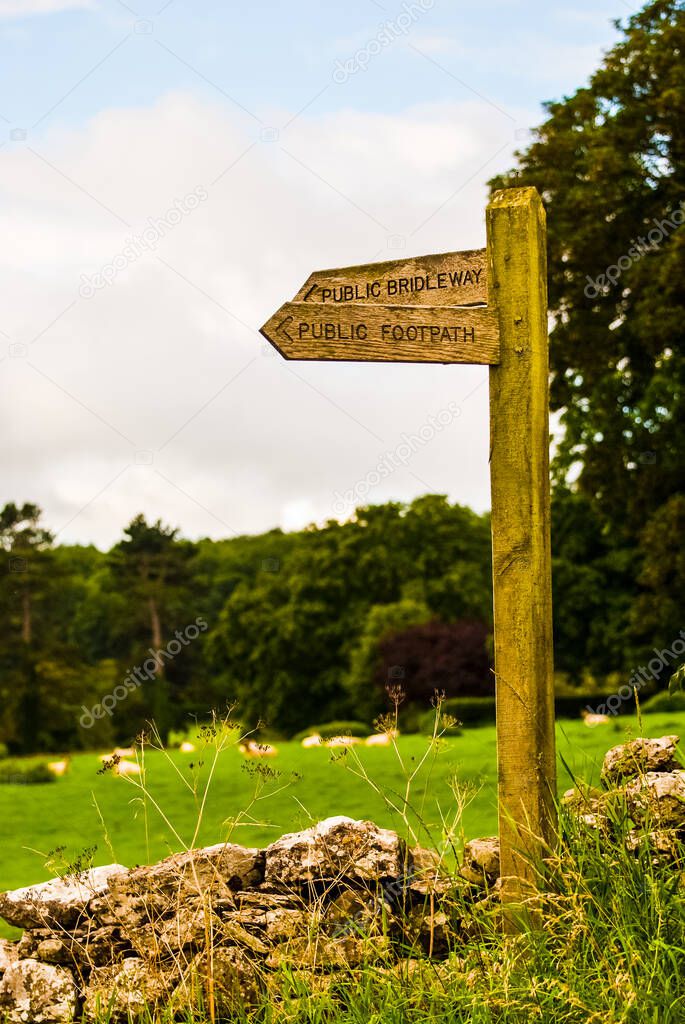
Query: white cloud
<point x="146" y="364"/>
<point x="24" y="8"/>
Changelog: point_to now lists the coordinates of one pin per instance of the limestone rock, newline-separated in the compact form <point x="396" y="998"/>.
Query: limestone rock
<point x="235" y="981"/>
<point x="481" y="861"/>
<point x="322" y="952"/>
<point x="355" y="912"/>
<point x="36" y="993"/>
<point x="580" y="802"/>
<point x="283" y="924"/>
<point x="598" y="810"/>
<point x="28" y="943"/>
<point x="628" y="760"/>
<point x="431" y="930"/>
<point x="658" y="799"/>
<point x="586" y="807"/>
<point x="427" y="875"/>
<point x="335" y="848"/>
<point x="98" y="946"/>
<point x="232" y="932"/>
<point x="8" y="954"/>
<point x="124" y="990"/>
<point x="186" y="926"/>
<point x="79" y="948"/>
<point x="60" y="901"/>
<point x="53" y="951"/>
<point x="148" y="893"/>
<point x="663" y="847"/>
<point x="254" y="910"/>
<point x="74" y="947"/>
<point x="259" y="901"/>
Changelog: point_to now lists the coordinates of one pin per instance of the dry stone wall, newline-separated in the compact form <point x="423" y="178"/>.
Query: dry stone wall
<point x="333" y="897"/>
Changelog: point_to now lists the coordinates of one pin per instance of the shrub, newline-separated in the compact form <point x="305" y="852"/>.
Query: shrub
<point x="451" y="657"/>
<point x="330" y="729"/>
<point x="410" y="718"/>
<point x="665" y="701"/>
<point x="572" y="707"/>
<point x="3" y="750"/>
<point x="481" y="710"/>
<point x="21" y="772"/>
<point x="467" y="710"/>
<point x="426" y="722"/>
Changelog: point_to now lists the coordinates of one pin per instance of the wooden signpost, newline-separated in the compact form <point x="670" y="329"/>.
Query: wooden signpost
<point x="490" y="307"/>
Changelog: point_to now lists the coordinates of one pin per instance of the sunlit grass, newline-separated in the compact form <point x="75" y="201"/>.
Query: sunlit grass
<point x="313" y="784"/>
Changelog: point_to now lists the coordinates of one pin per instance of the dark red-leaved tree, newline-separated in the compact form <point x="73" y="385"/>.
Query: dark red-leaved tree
<point x="450" y="657"/>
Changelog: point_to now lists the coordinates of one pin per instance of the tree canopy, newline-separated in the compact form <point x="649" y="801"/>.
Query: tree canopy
<point x="609" y="164"/>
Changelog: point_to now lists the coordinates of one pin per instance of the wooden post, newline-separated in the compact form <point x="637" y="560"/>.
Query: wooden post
<point x="519" y="468"/>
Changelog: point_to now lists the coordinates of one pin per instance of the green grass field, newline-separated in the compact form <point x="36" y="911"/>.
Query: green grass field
<point x="85" y="809"/>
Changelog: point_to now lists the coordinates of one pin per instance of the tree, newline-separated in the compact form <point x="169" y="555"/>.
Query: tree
<point x="593" y="590"/>
<point x="27" y="584"/>
<point x="658" y="614"/>
<point x="447" y="657"/>
<point x="150" y="566"/>
<point x="25" y="544"/>
<point x="609" y="163"/>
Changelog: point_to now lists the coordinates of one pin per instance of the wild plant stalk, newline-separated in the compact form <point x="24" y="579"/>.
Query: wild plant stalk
<point x="221" y="734"/>
<point x="402" y="804"/>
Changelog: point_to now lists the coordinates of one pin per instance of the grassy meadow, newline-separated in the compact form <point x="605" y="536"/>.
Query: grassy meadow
<point x="46" y="826"/>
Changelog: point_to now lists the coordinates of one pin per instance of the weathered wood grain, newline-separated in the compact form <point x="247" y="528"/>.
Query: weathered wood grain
<point x="442" y="279"/>
<point x="397" y="334"/>
<point x="519" y="468"/>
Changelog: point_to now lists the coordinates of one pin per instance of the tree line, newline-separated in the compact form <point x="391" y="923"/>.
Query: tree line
<point x="299" y="627"/>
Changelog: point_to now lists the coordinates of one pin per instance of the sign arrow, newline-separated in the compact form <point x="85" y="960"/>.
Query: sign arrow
<point x="385" y="333"/>
<point x="444" y="279"/>
<point x="281" y="331"/>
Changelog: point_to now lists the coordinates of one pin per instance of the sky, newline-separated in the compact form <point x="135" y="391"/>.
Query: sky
<point x="171" y="172"/>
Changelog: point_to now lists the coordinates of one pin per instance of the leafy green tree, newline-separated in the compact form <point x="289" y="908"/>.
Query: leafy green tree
<point x="593" y="590"/>
<point x="609" y="162"/>
<point x="25" y="543"/>
<point x="27" y="585"/>
<point x="151" y="569"/>
<point x="658" y="614"/>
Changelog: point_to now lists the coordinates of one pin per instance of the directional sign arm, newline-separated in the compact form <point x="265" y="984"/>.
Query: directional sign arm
<point x="442" y="279"/>
<point x="385" y="333"/>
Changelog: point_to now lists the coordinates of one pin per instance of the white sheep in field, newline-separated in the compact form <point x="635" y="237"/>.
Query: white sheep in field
<point x="58" y="767"/>
<point x="381" y="739"/>
<point x="118" y="752"/>
<point x="252" y="749"/>
<point x="126" y="768"/>
<point x="187" y="748"/>
<point x="342" y="741"/>
<point x="312" y="741"/>
<point x="592" y="719"/>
